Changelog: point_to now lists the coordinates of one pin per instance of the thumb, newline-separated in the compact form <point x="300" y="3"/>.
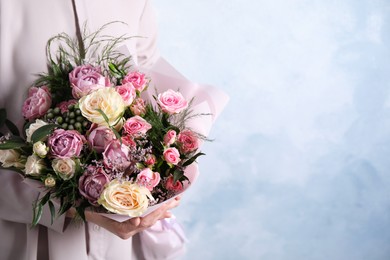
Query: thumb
<point x="135" y="221"/>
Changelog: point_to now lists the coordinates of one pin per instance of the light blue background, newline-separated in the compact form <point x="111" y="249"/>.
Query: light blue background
<point x="300" y="168"/>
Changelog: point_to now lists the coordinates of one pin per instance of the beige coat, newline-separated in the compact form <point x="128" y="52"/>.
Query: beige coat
<point x="25" y="27"/>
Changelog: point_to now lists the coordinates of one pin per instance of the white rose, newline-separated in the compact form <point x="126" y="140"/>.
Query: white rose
<point x="10" y="158"/>
<point x="65" y="168"/>
<point x="40" y="149"/>
<point x="105" y="99"/>
<point x="34" y="165"/>
<point x="33" y="127"/>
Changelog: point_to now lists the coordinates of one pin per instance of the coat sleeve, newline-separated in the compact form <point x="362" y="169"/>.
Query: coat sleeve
<point x="147" y="52"/>
<point x="17" y="200"/>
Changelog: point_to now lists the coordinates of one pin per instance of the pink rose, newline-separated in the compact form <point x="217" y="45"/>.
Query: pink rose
<point x="129" y="141"/>
<point x="85" y="79"/>
<point x="138" y="107"/>
<point x="65" y="143"/>
<point x="137" y="79"/>
<point x="127" y="92"/>
<point x="169" y="137"/>
<point x="136" y="126"/>
<point x="148" y="178"/>
<point x="92" y="182"/>
<point x="174" y="186"/>
<point x="116" y="155"/>
<point x="171" y="102"/>
<point x="37" y="103"/>
<point x="188" y="142"/>
<point x="171" y="155"/>
<point x="82" y="70"/>
<point x="99" y="137"/>
<point x="150" y="159"/>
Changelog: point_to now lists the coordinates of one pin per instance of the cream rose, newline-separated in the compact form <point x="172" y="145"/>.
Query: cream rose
<point x="40" y="149"/>
<point x="33" y="127"/>
<point x="10" y="158"/>
<point x="50" y="181"/>
<point x="125" y="198"/>
<point x="34" y="165"/>
<point x="65" y="168"/>
<point x="105" y="99"/>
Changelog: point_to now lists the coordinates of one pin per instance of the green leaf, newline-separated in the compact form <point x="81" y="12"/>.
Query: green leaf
<point x="46" y="198"/>
<point x="78" y="167"/>
<point x="114" y="69"/>
<point x="14" y="143"/>
<point x="192" y="159"/>
<point x="3" y="116"/>
<point x="104" y="116"/>
<point x="52" y="211"/>
<point x="184" y="178"/>
<point x="64" y="207"/>
<point x="117" y="135"/>
<point x="81" y="212"/>
<point x="38" y="209"/>
<point x="177" y="174"/>
<point x="12" y="127"/>
<point x="159" y="164"/>
<point x="37" y="214"/>
<point x="90" y="155"/>
<point x="42" y="132"/>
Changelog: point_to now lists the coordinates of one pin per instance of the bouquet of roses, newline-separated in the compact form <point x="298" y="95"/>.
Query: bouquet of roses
<point x="92" y="140"/>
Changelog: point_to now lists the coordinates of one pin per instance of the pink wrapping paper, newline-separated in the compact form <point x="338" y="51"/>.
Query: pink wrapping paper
<point x="191" y="172"/>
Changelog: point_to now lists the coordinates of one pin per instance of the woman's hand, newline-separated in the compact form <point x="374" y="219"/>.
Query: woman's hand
<point x="132" y="226"/>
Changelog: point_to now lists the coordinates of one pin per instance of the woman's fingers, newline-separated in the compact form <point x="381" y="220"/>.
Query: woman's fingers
<point x="173" y="203"/>
<point x="132" y="226"/>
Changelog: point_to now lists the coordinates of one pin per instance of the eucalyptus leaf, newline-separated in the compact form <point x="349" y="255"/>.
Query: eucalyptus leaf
<point x="12" y="127"/>
<point x="42" y="132"/>
<point x="14" y="143"/>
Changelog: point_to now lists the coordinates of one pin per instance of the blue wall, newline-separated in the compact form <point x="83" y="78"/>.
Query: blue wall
<point x="300" y="168"/>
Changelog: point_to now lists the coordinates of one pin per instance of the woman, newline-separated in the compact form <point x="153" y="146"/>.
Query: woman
<point x="24" y="30"/>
